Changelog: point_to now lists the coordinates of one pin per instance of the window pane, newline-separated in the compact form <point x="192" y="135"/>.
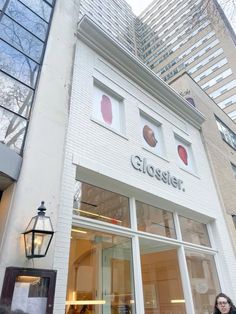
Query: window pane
<point x="2" y="2"/>
<point x="162" y="286"/>
<point x="27" y="19"/>
<point x="151" y="134"/>
<point x="101" y="272"/>
<point x="12" y="130"/>
<point x="154" y="220"/>
<point x="15" y="96"/>
<point x="17" y="65"/>
<point x="95" y="203"/>
<point x="234" y="168"/>
<point x="194" y="232"/>
<point x="20" y="38"/>
<point x="204" y="280"/>
<point x="37" y="289"/>
<point x="40" y="7"/>
<point x="108" y="108"/>
<point x="227" y="134"/>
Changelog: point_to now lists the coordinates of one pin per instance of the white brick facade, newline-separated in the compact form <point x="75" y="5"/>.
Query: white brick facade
<point x="103" y="157"/>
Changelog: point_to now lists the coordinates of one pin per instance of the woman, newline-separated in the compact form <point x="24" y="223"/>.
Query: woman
<point x="224" y="305"/>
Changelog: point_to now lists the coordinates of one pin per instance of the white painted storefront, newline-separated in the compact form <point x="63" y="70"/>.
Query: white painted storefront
<point x="131" y="135"/>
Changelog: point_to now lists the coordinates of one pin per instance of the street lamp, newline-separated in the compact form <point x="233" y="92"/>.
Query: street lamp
<point x="38" y="234"/>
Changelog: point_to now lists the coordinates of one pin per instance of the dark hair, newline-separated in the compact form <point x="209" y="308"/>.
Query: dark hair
<point x="222" y="295"/>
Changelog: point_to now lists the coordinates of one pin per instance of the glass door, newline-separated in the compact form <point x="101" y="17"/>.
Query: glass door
<point x="162" y="286"/>
<point x="100" y="277"/>
<point x="117" y="279"/>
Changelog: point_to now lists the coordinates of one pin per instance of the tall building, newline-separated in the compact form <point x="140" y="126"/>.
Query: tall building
<point x="114" y="16"/>
<point x="176" y="37"/>
<point x="190" y="36"/>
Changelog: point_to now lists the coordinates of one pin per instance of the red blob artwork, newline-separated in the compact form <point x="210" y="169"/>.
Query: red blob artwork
<point x="183" y="154"/>
<point x="106" y="109"/>
<point x="149" y="136"/>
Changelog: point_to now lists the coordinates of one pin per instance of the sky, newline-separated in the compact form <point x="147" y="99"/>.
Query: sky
<point x="138" y="5"/>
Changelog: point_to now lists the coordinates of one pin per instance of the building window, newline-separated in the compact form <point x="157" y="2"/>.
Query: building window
<point x="194" y="232"/>
<point x="227" y="102"/>
<point x="154" y="220"/>
<point x="223" y="89"/>
<point x="161" y="278"/>
<point x="227" y="135"/>
<point x="217" y="79"/>
<point x="232" y="114"/>
<point x="23" y="30"/>
<point x="234" y="169"/>
<point x="99" y="204"/>
<point x="184" y="154"/>
<point x="151" y="134"/>
<point x="104" y="260"/>
<point x="108" y="107"/>
<point x="203" y="278"/>
<point x="101" y="272"/>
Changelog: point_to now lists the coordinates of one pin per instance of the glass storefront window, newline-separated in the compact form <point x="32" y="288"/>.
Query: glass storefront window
<point x="204" y="280"/>
<point x="101" y="270"/>
<point x="18" y="65"/>
<point x="162" y="287"/>
<point x="12" y="130"/>
<point x="30" y="21"/>
<point x="15" y="96"/>
<point x="99" y="204"/>
<point x="21" y="39"/>
<point x="40" y="7"/>
<point x="100" y="276"/>
<point x="154" y="220"/>
<point x="194" y="232"/>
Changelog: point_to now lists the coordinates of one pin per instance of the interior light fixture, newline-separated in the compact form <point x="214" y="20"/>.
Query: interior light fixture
<point x="177" y="301"/>
<point x="79" y="231"/>
<point x="97" y="215"/>
<point x="86" y="302"/>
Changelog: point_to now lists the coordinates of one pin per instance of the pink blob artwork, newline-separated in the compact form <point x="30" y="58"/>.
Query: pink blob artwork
<point x="183" y="154"/>
<point x="106" y="109"/>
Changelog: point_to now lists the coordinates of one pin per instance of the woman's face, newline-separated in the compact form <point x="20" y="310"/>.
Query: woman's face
<point x="223" y="305"/>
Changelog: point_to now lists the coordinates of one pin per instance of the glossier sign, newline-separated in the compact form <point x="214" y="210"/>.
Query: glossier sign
<point x="141" y="164"/>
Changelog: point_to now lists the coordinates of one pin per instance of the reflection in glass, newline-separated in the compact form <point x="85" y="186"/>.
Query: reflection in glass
<point x="15" y="96"/>
<point x="40" y="7"/>
<point x="16" y="64"/>
<point x="2" y="2"/>
<point x="204" y="280"/>
<point x="194" y="231"/>
<point x="162" y="286"/>
<point x="155" y="220"/>
<point x="30" y="294"/>
<point x="226" y="133"/>
<point x="12" y="130"/>
<point x="20" y="38"/>
<point x="27" y="19"/>
<point x="100" y="276"/>
<point x="96" y="203"/>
